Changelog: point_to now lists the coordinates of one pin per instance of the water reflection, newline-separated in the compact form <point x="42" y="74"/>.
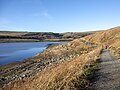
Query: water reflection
<point x="11" y="52"/>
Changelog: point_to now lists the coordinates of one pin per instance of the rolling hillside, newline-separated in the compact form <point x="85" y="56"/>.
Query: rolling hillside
<point x="110" y="37"/>
<point x="71" y="64"/>
<point x="12" y="36"/>
<point x="60" y="64"/>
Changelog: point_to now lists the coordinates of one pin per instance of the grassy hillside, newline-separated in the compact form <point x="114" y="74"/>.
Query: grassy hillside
<point x="12" y="33"/>
<point x="69" y="75"/>
<point x="107" y="36"/>
<point x="69" y="66"/>
<point x="110" y="37"/>
<point x="6" y="36"/>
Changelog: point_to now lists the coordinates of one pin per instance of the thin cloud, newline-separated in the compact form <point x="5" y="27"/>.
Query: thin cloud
<point x="4" y="21"/>
<point x="44" y="14"/>
<point x="47" y="15"/>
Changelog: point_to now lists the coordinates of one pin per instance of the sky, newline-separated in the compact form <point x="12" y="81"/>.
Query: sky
<point x="59" y="15"/>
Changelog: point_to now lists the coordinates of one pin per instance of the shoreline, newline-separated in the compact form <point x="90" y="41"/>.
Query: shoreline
<point x="36" y="40"/>
<point x="10" y="63"/>
<point x="52" y="55"/>
<point x="25" y="63"/>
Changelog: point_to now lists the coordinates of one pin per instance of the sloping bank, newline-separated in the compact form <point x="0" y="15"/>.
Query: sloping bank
<point x="115" y="48"/>
<point x="71" y="64"/>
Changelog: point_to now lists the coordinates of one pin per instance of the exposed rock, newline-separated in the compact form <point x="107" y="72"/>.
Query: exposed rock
<point x="50" y="56"/>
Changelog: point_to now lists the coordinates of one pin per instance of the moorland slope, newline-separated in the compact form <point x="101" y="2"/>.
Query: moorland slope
<point x="12" y="36"/>
<point x="70" y="65"/>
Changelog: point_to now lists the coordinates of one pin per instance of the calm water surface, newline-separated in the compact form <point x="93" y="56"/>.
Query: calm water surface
<point x="11" y="52"/>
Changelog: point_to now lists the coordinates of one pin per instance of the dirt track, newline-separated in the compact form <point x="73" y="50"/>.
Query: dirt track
<point x="108" y="75"/>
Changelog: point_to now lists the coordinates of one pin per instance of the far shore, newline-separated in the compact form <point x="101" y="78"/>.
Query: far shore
<point x="33" y="40"/>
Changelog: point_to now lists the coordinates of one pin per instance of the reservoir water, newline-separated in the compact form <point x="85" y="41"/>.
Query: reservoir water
<point x="16" y="51"/>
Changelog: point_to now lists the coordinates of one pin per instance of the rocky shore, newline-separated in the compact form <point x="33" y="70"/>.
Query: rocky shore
<point x="54" y="54"/>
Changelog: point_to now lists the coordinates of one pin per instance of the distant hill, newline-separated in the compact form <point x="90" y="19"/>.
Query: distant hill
<point x="40" y="36"/>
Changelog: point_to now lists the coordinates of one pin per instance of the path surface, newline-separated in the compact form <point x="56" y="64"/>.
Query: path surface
<point x="108" y="75"/>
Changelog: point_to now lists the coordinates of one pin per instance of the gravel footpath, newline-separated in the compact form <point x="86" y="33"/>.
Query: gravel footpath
<point x="108" y="75"/>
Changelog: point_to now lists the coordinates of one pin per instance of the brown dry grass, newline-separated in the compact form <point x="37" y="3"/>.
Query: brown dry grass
<point x="115" y="48"/>
<point x="69" y="75"/>
<point x="65" y="76"/>
<point x="64" y="51"/>
<point x="12" y="33"/>
<point x="108" y="36"/>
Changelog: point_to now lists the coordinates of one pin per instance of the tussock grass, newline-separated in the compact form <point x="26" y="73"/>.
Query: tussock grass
<point x="107" y="36"/>
<point x="111" y="37"/>
<point x="69" y="75"/>
<point x="55" y="54"/>
<point x="115" y="49"/>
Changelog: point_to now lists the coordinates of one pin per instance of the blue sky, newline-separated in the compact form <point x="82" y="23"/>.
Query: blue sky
<point x="59" y="15"/>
